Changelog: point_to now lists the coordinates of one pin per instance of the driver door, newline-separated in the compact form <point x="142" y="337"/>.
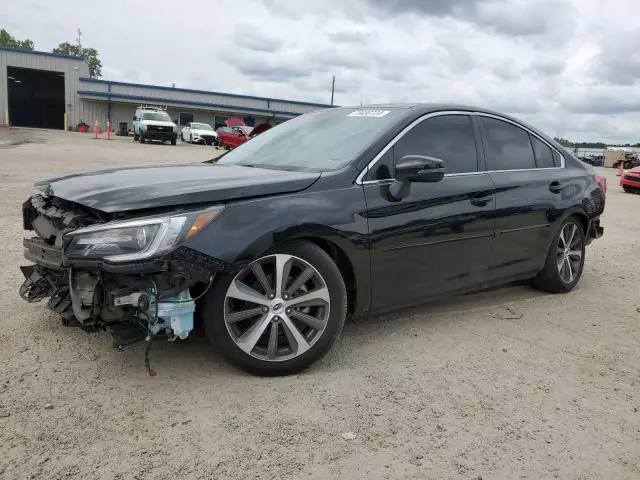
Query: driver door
<point x="438" y="237"/>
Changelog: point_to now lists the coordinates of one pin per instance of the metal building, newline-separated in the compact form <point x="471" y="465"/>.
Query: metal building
<point x="49" y="90"/>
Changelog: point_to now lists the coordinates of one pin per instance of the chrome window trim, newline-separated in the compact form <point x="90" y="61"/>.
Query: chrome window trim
<point x="419" y="120"/>
<point x="530" y="132"/>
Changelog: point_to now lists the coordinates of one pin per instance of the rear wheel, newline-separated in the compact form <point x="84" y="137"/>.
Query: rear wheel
<point x="280" y="313"/>
<point x="628" y="165"/>
<point x="174" y="141"/>
<point x="565" y="260"/>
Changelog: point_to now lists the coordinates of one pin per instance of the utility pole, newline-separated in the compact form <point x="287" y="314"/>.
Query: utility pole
<point x="79" y="41"/>
<point x="333" y="87"/>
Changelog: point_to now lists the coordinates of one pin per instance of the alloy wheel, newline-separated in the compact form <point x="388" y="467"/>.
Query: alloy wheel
<point x="569" y="252"/>
<point x="277" y="307"/>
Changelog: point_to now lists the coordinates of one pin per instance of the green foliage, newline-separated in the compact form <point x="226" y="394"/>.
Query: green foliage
<point x="563" y="141"/>
<point x="90" y="56"/>
<point x="7" y="40"/>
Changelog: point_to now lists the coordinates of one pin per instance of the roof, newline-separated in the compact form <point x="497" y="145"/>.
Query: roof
<point x="208" y="92"/>
<point x="38" y="52"/>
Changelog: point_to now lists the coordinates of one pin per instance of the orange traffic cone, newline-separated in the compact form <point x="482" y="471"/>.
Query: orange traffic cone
<point x="96" y="131"/>
<point x="108" y="130"/>
<point x="620" y="169"/>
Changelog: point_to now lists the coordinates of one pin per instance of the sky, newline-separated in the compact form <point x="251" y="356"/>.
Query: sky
<point x="569" y="67"/>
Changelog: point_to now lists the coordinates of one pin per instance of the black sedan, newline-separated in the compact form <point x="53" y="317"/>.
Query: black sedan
<point x="336" y="213"/>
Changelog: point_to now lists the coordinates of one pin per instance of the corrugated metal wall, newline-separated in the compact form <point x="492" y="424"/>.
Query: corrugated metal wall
<point x="99" y="99"/>
<point x="72" y="67"/>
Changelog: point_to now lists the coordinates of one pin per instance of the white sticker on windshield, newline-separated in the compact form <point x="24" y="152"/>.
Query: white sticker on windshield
<point x="369" y="113"/>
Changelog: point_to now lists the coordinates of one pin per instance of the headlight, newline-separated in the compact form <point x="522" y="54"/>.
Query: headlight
<point x="136" y="239"/>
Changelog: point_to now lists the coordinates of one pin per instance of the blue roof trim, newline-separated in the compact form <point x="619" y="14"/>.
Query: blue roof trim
<point x="37" y="52"/>
<point x="208" y="92"/>
<point x="164" y="101"/>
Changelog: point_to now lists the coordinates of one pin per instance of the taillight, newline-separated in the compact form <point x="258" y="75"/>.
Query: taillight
<point x="602" y="182"/>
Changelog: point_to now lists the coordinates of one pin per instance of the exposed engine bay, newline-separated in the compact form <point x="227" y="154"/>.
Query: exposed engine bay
<point x="135" y="301"/>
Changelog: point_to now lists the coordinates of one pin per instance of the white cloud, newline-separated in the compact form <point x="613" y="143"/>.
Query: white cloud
<point x="570" y="67"/>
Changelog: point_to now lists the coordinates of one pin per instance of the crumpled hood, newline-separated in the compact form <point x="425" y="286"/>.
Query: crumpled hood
<point x="154" y="186"/>
<point x="634" y="170"/>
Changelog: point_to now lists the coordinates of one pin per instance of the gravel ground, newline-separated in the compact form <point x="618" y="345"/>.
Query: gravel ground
<point x="506" y="384"/>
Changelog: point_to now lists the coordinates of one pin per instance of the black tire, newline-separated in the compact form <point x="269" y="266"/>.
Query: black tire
<point x="142" y="140"/>
<point x="549" y="279"/>
<point x="181" y="136"/>
<point x="174" y="141"/>
<point x="628" y="165"/>
<point x="218" y="334"/>
<point x="191" y="138"/>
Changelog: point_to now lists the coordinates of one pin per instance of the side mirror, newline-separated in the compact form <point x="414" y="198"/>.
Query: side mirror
<point x="418" y="168"/>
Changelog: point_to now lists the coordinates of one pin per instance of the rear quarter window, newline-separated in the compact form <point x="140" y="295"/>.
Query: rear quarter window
<point x="507" y="146"/>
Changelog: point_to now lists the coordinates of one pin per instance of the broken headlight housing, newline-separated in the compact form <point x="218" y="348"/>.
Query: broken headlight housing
<point x="136" y="239"/>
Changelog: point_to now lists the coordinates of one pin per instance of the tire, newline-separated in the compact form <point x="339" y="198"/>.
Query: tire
<point x="264" y="357"/>
<point x="181" y="136"/>
<point x="554" y="277"/>
<point x="628" y="165"/>
<point x="142" y="140"/>
<point x="174" y="141"/>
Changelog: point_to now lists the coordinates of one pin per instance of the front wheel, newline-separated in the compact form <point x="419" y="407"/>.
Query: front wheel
<point x="280" y="313"/>
<point x="628" y="165"/>
<point x="565" y="260"/>
<point x="174" y="141"/>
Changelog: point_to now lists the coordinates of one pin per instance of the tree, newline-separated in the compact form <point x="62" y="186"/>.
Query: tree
<point x="90" y="56"/>
<point x="7" y="40"/>
<point x="563" y="141"/>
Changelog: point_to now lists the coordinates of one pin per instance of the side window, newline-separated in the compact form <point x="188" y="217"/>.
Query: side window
<point x="544" y="156"/>
<point x="447" y="137"/>
<point x="507" y="147"/>
<point x="557" y="161"/>
<point x="384" y="167"/>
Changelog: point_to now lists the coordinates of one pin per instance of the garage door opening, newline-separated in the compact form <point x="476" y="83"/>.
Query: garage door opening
<point x="36" y="98"/>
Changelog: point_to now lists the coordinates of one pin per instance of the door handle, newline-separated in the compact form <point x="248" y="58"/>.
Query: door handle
<point x="556" y="187"/>
<point x="481" y="199"/>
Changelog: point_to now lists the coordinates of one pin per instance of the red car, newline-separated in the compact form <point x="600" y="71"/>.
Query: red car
<point x="630" y="181"/>
<point x="236" y="132"/>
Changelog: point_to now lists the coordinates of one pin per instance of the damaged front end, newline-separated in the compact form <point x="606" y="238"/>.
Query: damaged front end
<point x="127" y="275"/>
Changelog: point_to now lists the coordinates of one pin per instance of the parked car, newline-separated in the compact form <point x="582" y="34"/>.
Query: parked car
<point x="630" y="181"/>
<point x="233" y="136"/>
<point x="154" y="124"/>
<point x="194" y="132"/>
<point x="276" y="243"/>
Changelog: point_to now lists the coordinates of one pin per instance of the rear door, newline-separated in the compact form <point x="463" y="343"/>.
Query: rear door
<point x="529" y="181"/>
<point x="437" y="238"/>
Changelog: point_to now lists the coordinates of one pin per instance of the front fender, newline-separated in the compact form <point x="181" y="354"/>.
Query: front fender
<point x="247" y="229"/>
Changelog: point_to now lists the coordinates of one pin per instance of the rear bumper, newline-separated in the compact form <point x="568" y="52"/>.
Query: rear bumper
<point x="595" y="230"/>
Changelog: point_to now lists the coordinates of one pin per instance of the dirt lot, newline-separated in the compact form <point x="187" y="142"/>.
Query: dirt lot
<point x="500" y="385"/>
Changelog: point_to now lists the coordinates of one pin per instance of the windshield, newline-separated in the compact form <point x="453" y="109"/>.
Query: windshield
<point x="320" y="141"/>
<point x="201" y="126"/>
<point x="156" y="116"/>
